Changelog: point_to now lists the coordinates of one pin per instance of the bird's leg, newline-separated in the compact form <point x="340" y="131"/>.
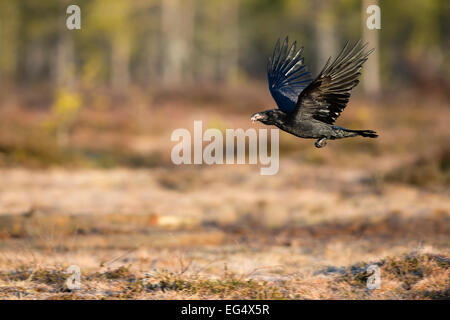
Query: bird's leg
<point x="322" y="142"/>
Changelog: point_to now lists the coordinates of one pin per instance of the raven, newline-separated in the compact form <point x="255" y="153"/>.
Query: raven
<point x="308" y="108"/>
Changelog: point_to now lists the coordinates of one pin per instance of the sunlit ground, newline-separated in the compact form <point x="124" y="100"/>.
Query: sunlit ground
<point x="101" y="192"/>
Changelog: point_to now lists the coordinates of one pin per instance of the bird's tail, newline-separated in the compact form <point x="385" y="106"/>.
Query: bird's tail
<point x="364" y="133"/>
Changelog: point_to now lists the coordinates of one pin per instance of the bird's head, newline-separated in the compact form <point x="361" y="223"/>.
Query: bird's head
<point x="269" y="117"/>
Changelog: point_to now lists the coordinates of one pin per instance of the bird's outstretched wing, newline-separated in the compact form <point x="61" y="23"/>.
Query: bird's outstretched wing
<point x="327" y="96"/>
<point x="287" y="75"/>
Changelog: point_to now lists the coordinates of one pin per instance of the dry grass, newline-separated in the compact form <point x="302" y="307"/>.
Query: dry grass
<point x="145" y="229"/>
<point x="416" y="275"/>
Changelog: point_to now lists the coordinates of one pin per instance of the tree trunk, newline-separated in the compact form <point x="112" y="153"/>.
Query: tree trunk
<point x="35" y="58"/>
<point x="325" y="27"/>
<point x="177" y="21"/>
<point x="371" y="74"/>
<point x="9" y="40"/>
<point x="229" y="45"/>
<point x="120" y="60"/>
<point x="63" y="68"/>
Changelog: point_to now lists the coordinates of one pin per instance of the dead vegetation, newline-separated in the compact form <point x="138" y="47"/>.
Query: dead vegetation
<point x="426" y="170"/>
<point x="111" y="202"/>
<point x="416" y="275"/>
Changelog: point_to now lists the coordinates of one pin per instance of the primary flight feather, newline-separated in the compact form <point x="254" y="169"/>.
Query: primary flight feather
<point x="308" y="108"/>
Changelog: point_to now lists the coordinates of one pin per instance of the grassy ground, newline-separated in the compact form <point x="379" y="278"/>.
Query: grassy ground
<point x="111" y="202"/>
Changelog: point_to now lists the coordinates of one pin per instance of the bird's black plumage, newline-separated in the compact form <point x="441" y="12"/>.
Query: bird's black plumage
<point x="308" y="108"/>
<point x="287" y="75"/>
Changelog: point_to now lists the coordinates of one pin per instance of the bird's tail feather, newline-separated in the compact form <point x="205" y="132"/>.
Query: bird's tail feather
<point x="365" y="133"/>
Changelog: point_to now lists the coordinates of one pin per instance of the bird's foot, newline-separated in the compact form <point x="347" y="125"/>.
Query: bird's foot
<point x="322" y="142"/>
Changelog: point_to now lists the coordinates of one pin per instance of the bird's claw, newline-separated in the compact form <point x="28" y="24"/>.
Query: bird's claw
<point x="321" y="143"/>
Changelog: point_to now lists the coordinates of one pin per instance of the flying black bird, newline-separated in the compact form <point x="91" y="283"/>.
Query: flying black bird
<point x="308" y="108"/>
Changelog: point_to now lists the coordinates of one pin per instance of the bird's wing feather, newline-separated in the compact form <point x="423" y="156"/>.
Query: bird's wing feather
<point x="287" y="75"/>
<point x="327" y="96"/>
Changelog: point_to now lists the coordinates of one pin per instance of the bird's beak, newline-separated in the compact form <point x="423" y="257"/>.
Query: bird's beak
<point x="256" y="117"/>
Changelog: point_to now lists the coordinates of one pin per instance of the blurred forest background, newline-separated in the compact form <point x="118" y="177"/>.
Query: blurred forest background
<point x="144" y="54"/>
<point x="86" y="177"/>
<point x="148" y="42"/>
